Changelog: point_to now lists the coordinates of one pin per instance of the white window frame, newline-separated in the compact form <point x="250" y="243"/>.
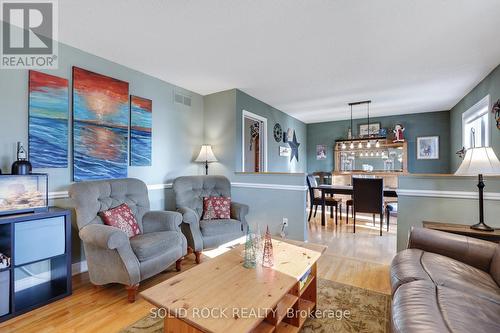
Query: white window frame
<point x="476" y="111"/>
<point x="253" y="116"/>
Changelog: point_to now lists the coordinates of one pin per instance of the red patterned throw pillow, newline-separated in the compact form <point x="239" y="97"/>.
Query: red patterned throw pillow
<point x="216" y="208"/>
<point x="122" y="218"/>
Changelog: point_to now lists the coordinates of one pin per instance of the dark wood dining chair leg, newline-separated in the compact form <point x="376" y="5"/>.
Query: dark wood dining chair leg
<point x="310" y="213"/>
<point x="340" y="212"/>
<point x="315" y="210"/>
<point x="323" y="209"/>
<point x="347" y="214"/>
<point x="381" y="222"/>
<point x="354" y="221"/>
<point x="331" y="211"/>
<point x="336" y="214"/>
<point x="374" y="219"/>
<point x="387" y="217"/>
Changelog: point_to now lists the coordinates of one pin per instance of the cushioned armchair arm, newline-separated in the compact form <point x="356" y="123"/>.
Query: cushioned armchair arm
<point x="104" y="236"/>
<point x="472" y="251"/>
<point x="105" y="247"/>
<point x="191" y="228"/>
<point x="154" y="221"/>
<point x="239" y="212"/>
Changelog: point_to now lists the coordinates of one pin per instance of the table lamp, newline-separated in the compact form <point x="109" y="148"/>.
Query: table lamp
<point x="206" y="155"/>
<point x="480" y="161"/>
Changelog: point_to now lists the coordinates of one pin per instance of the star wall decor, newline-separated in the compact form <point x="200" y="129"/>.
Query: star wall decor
<point x="294" y="145"/>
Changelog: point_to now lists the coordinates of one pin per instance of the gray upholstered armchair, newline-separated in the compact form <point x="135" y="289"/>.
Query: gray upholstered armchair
<point x="200" y="234"/>
<point x="111" y="256"/>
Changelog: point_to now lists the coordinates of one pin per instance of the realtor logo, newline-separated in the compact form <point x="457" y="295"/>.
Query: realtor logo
<point x="29" y="34"/>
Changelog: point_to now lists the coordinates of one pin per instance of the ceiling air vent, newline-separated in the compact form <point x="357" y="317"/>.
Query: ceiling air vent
<point x="182" y="99"/>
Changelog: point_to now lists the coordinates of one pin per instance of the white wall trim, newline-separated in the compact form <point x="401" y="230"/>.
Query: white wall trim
<point x="155" y="187"/>
<point x="159" y="186"/>
<point x="271" y="186"/>
<point x="79" y="267"/>
<point x="447" y="194"/>
<point x="65" y="194"/>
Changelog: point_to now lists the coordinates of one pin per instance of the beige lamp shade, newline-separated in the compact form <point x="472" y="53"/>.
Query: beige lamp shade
<point x="206" y="154"/>
<point x="480" y="160"/>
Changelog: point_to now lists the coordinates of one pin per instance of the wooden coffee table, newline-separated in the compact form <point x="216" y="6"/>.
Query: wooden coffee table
<point x="220" y="295"/>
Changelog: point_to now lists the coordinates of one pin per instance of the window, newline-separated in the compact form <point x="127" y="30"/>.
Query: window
<point x="254" y="141"/>
<point x="475" y="125"/>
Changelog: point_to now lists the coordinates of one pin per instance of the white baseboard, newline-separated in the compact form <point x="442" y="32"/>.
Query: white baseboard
<point x="79" y="267"/>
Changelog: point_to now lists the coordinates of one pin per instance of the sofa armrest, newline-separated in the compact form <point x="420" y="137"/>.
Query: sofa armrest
<point x="154" y="221"/>
<point x="191" y="228"/>
<point x="474" y="252"/>
<point x="104" y="236"/>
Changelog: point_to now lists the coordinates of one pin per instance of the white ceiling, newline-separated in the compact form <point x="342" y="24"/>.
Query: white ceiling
<point x="307" y="58"/>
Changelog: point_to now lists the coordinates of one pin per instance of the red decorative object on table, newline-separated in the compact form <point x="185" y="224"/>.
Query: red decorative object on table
<point x="267" y="257"/>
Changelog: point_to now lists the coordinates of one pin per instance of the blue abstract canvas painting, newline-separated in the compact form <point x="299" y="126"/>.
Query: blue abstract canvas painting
<point x="48" y="121"/>
<point x="100" y="126"/>
<point x="141" y="111"/>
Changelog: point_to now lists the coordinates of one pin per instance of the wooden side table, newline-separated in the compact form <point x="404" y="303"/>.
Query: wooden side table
<point x="463" y="229"/>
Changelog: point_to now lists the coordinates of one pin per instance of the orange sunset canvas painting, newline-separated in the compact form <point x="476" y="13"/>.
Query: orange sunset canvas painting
<point x="100" y="126"/>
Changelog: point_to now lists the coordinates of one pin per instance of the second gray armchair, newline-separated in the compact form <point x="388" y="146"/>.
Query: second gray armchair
<point x="205" y="234"/>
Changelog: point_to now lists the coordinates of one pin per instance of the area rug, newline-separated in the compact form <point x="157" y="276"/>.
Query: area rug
<point x="343" y="308"/>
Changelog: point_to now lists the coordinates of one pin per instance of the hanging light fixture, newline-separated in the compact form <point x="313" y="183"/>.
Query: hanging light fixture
<point x="352" y="144"/>
<point x="377" y="144"/>
<point x="360" y="144"/>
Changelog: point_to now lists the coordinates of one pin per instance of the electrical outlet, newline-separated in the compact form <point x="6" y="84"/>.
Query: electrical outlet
<point x="285" y="222"/>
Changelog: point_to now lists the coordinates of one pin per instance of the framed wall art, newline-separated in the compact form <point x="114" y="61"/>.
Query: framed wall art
<point x="100" y="126"/>
<point x="48" y="105"/>
<point x="428" y="147"/>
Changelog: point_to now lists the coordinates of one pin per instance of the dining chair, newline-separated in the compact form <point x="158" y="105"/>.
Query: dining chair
<point x="325" y="178"/>
<point x="315" y="200"/>
<point x="368" y="197"/>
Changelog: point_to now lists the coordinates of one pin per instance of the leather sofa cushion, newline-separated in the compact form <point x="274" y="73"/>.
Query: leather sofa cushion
<point x="421" y="306"/>
<point x="495" y="265"/>
<point x="217" y="227"/>
<point x="417" y="265"/>
<point x="457" y="275"/>
<point x="150" y="245"/>
<point x="406" y="267"/>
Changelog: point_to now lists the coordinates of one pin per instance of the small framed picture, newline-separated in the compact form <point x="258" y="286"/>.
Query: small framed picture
<point x="321" y="152"/>
<point x="285" y="151"/>
<point x="428" y="147"/>
<point x="373" y="129"/>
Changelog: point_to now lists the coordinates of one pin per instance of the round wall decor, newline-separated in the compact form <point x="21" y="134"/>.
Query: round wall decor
<point x="278" y="132"/>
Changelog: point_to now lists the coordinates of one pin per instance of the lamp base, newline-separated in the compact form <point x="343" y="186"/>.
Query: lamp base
<point x="481" y="226"/>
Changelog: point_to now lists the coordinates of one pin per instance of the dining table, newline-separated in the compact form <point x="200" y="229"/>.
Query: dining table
<point x="344" y="190"/>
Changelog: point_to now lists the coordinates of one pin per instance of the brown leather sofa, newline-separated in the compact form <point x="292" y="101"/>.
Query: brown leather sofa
<point x="446" y="283"/>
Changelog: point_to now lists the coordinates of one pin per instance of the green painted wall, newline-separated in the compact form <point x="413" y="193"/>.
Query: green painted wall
<point x="220" y="131"/>
<point x="420" y="124"/>
<point x="413" y="209"/>
<point x="275" y="163"/>
<point x="223" y="124"/>
<point x="490" y="85"/>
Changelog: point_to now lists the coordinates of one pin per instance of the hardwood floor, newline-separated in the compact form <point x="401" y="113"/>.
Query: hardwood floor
<point x="359" y="259"/>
